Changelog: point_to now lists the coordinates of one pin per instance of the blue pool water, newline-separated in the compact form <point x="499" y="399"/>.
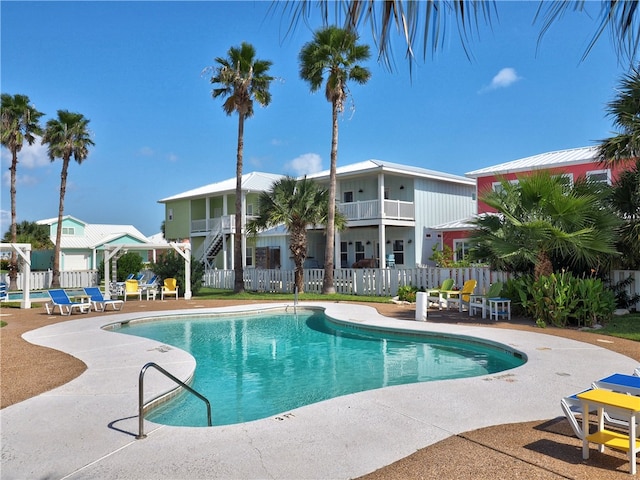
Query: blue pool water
<point x="253" y="367"/>
<point x="36" y="295"/>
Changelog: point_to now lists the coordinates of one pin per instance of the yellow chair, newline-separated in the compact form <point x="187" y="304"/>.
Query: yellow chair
<point x="170" y="287"/>
<point x="463" y="296"/>
<point x="131" y="288"/>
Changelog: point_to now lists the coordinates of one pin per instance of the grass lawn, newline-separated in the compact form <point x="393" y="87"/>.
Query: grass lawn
<point x="625" y="326"/>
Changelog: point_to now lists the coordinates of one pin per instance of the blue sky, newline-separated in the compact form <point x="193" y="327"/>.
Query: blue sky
<point x="135" y="70"/>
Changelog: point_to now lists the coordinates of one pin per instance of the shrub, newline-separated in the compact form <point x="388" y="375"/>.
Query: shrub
<point x="171" y="265"/>
<point x="407" y="293"/>
<point x="560" y="299"/>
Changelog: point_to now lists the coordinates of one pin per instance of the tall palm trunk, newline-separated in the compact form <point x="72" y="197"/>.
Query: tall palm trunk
<point x="55" y="279"/>
<point x="543" y="266"/>
<point x="13" y="265"/>
<point x="298" y="248"/>
<point x="238" y="284"/>
<point x="328" y="286"/>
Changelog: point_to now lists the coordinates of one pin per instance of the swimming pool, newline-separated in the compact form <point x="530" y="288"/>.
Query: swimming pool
<point x="255" y="366"/>
<point x="34" y="295"/>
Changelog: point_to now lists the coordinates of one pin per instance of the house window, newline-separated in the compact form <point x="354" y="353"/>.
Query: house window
<point x="249" y="257"/>
<point x="566" y="179"/>
<point x="398" y="251"/>
<point x="497" y="186"/>
<point x="68" y="231"/>
<point x="249" y="209"/>
<point x="348" y="197"/>
<point x="600" y="176"/>
<point x="344" y="255"/>
<point x="460" y="250"/>
<point x="386" y="193"/>
<point x="359" y="251"/>
<point x="170" y="214"/>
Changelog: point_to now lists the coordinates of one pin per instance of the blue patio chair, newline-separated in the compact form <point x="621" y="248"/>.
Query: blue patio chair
<point x="3" y="291"/>
<point x="60" y="299"/>
<point x="100" y="303"/>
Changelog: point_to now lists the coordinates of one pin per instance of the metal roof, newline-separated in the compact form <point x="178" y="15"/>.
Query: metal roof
<point x="558" y="158"/>
<point x="380" y="165"/>
<point x="94" y="234"/>
<point x="254" y="181"/>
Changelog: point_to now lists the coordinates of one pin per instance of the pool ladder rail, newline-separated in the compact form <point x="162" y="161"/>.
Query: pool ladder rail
<point x="142" y="405"/>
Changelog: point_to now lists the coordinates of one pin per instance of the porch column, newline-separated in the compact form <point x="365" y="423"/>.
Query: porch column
<point x="337" y="263"/>
<point x="382" y="261"/>
<point x="207" y="214"/>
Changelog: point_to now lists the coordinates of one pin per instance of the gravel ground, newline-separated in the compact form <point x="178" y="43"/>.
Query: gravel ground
<point x="532" y="450"/>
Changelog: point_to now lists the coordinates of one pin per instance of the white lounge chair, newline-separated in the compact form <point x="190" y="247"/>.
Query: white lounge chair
<point x="60" y="299"/>
<point x="100" y="303"/>
<point x="618" y="382"/>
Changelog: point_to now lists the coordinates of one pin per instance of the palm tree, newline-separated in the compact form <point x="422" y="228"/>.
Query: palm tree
<point x="424" y="24"/>
<point x="66" y="136"/>
<point x="334" y="52"/>
<point x="296" y="204"/>
<point x="30" y="232"/>
<point x="20" y="122"/>
<point x="241" y="79"/>
<point x="625" y="200"/>
<point x="541" y="225"/>
<point x="624" y="110"/>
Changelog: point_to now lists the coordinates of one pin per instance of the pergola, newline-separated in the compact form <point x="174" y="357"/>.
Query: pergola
<point x="184" y="249"/>
<point x="24" y="251"/>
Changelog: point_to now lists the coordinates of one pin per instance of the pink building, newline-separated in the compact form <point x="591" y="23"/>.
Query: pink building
<point x="572" y="164"/>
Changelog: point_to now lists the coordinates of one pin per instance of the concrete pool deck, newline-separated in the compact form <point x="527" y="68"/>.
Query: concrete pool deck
<point x="86" y="428"/>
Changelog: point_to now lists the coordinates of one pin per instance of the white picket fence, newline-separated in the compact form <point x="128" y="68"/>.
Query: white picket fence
<point x="72" y="279"/>
<point x="366" y="281"/>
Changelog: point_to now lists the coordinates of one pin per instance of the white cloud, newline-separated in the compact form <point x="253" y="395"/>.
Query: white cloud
<point x="20" y="179"/>
<point x="5" y="221"/>
<point x="31" y="156"/>
<point x="305" y="164"/>
<point x="146" y="151"/>
<point x="173" y="157"/>
<point x="503" y="79"/>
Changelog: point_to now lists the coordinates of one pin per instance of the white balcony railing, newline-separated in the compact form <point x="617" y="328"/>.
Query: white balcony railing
<point x="226" y="224"/>
<point x="370" y="209"/>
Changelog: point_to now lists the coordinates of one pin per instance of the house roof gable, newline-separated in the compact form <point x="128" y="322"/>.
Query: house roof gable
<point x="254" y="181"/>
<point x="559" y="158"/>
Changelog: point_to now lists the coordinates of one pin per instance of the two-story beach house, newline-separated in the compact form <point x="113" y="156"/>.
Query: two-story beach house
<point x="391" y="210"/>
<point x="570" y="164"/>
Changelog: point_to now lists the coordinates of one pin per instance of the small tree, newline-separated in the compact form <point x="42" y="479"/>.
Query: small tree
<point x="171" y="265"/>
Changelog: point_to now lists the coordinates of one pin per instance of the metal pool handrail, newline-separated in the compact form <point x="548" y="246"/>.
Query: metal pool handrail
<point x="142" y="405"/>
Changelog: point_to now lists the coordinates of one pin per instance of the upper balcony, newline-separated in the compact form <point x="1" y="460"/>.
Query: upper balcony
<point x="370" y="210"/>
<point x="363" y="210"/>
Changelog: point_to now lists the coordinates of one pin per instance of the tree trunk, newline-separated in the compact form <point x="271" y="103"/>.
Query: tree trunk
<point x="55" y="279"/>
<point x="298" y="248"/>
<point x="238" y="256"/>
<point x="328" y="286"/>
<point x="543" y="266"/>
<point x="13" y="263"/>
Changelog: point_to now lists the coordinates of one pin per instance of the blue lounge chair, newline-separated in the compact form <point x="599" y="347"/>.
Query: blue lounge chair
<point x="60" y="299"/>
<point x="3" y="291"/>
<point x="618" y="382"/>
<point x="100" y="303"/>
